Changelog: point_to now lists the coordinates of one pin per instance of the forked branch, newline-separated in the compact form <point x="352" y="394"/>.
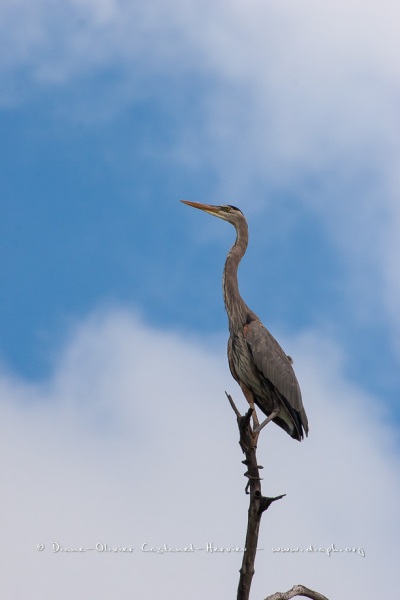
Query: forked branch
<point x="257" y="506"/>
<point x="258" y="503"/>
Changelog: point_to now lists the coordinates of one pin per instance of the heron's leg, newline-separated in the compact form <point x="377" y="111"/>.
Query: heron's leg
<point x="256" y="423"/>
<point x="274" y="414"/>
<point x="248" y="394"/>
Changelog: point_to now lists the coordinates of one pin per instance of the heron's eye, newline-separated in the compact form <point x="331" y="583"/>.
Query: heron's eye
<point x="226" y="208"/>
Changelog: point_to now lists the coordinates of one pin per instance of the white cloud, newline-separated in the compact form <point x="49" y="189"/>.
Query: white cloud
<point x="133" y="441"/>
<point x="301" y="86"/>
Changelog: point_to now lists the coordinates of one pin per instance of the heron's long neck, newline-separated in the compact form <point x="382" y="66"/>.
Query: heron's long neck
<point x="236" y="308"/>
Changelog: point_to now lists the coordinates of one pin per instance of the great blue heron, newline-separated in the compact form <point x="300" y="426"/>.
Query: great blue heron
<point x="256" y="360"/>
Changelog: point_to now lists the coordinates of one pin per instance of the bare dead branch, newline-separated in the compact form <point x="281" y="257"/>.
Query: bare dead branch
<point x="266" y="502"/>
<point x="231" y="402"/>
<point x="258" y="504"/>
<point x="297" y="590"/>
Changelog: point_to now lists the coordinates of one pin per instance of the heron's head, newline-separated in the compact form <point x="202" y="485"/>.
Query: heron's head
<point x="227" y="213"/>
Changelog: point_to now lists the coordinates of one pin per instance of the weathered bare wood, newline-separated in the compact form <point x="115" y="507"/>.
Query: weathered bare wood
<point x="297" y="590"/>
<point x="258" y="504"/>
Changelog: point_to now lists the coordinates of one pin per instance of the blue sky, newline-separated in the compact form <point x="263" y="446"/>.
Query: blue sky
<point x="90" y="214"/>
<point x="112" y="111"/>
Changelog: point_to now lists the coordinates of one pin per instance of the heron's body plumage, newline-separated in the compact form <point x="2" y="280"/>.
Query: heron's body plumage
<point x="256" y="360"/>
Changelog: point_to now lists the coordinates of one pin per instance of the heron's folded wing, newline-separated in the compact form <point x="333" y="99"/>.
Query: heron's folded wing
<point x="273" y="363"/>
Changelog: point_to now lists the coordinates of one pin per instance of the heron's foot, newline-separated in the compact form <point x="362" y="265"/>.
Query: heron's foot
<point x="254" y="434"/>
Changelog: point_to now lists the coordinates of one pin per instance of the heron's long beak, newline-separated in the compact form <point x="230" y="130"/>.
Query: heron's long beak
<point x="213" y="210"/>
